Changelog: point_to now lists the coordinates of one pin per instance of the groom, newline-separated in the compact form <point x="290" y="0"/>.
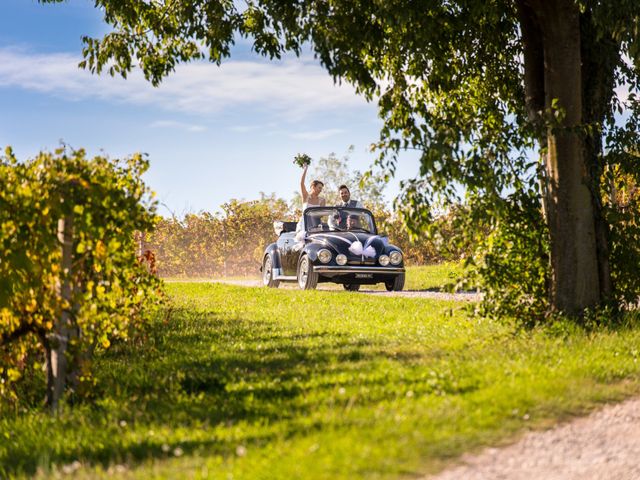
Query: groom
<point x="345" y="196"/>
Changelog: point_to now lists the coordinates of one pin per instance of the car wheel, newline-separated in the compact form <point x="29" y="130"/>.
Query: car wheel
<point x="267" y="273"/>
<point x="351" y="287"/>
<point x="395" y="285"/>
<point x="307" y="277"/>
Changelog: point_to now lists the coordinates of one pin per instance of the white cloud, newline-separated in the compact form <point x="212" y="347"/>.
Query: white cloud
<point x="178" y="125"/>
<point x="294" y="88"/>
<point x="246" y="128"/>
<point x="317" y="134"/>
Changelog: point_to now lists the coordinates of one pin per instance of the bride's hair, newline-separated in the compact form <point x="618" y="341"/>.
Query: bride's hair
<point x="316" y="182"/>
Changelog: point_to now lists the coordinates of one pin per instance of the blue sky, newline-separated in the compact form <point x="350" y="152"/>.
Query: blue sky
<point x="211" y="133"/>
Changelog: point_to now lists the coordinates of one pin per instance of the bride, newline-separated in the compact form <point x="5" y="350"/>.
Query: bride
<point x="309" y="199"/>
<point x="313" y="198"/>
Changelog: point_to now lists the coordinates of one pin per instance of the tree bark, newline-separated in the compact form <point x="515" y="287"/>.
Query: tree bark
<point x="575" y="283"/>
<point x="58" y="343"/>
<point x="599" y="59"/>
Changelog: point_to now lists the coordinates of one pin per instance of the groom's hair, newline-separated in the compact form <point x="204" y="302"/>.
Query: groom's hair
<point x="344" y="186"/>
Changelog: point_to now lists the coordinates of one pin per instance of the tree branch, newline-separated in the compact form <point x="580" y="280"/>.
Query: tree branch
<point x="533" y="50"/>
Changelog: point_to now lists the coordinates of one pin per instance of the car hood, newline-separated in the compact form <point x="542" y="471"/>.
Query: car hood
<point x="354" y="243"/>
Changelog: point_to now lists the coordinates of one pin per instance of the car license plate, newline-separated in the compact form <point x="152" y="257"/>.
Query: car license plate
<point x="364" y="275"/>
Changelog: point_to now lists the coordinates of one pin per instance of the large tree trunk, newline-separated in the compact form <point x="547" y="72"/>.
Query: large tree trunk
<point x="575" y="283"/>
<point x="599" y="60"/>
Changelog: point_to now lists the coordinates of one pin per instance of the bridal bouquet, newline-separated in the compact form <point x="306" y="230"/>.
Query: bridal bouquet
<point x="302" y="160"/>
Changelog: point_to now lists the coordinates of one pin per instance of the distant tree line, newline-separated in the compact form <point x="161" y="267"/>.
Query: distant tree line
<point x="232" y="241"/>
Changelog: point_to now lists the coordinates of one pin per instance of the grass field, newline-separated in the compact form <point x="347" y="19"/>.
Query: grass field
<point x="279" y="384"/>
<point x="432" y="277"/>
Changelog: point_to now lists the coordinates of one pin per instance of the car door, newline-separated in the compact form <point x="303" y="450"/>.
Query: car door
<point x="297" y="244"/>
<point x="285" y="245"/>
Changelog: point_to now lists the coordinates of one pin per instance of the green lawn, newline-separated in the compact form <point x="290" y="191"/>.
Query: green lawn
<point x="281" y="384"/>
<point x="432" y="277"/>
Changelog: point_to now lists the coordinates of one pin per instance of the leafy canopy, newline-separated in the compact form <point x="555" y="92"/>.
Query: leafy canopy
<point x="449" y="80"/>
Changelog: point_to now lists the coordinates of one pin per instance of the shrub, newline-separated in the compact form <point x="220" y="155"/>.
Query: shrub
<point x="100" y="293"/>
<point x="227" y="243"/>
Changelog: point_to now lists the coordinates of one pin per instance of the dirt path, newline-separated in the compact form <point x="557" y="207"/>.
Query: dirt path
<point x="459" y="297"/>
<point x="603" y="445"/>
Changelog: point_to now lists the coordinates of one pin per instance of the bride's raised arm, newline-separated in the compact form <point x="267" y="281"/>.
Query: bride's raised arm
<point x="303" y="188"/>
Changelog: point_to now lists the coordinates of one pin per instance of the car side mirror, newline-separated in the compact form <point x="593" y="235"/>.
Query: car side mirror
<point x="290" y="226"/>
<point x="281" y="227"/>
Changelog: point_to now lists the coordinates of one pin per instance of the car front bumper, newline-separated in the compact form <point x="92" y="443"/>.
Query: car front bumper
<point x="346" y="269"/>
<point x="361" y="274"/>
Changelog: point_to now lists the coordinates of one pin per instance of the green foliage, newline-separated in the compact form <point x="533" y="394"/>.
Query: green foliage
<point x="620" y="178"/>
<point x="511" y="261"/>
<point x="112" y="295"/>
<point x="256" y="383"/>
<point x="441" y="239"/>
<point x="623" y="213"/>
<point x="446" y="86"/>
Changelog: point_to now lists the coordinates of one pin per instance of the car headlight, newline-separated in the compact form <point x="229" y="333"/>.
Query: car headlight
<point x="395" y="257"/>
<point x="341" y="259"/>
<point x="324" y="255"/>
<point x="384" y="260"/>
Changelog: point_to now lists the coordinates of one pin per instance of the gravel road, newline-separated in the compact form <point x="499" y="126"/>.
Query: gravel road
<point x="603" y="445"/>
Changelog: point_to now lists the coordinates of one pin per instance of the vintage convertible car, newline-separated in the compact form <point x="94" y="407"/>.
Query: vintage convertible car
<point x="332" y="244"/>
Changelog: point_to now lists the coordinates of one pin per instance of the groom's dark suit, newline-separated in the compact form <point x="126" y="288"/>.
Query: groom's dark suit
<point x="350" y="204"/>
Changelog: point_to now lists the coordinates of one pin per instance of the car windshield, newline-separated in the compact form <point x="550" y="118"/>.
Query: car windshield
<point x="337" y="219"/>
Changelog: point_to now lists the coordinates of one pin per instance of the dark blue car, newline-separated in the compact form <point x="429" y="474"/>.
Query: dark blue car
<point x="332" y="244"/>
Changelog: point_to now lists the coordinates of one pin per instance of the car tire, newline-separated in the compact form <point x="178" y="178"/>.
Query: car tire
<point x="267" y="273"/>
<point x="351" y="287"/>
<point x="395" y="285"/>
<point x="307" y="277"/>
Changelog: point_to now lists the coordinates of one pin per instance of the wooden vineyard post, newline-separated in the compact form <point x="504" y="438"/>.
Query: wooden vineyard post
<point x="63" y="329"/>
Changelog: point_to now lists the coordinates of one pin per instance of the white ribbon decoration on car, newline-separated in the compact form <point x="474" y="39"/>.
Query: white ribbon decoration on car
<point x="367" y="249"/>
<point x="356" y="246"/>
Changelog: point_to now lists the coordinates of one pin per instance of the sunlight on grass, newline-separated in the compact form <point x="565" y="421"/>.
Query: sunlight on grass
<point x="279" y="384"/>
<point x="433" y="277"/>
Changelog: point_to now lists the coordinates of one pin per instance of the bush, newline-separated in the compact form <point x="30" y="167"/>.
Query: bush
<point x="100" y="293"/>
<point x="228" y="243"/>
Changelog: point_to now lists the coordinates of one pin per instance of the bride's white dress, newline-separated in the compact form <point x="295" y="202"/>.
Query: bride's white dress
<point x="305" y="205"/>
<point x="308" y="204"/>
